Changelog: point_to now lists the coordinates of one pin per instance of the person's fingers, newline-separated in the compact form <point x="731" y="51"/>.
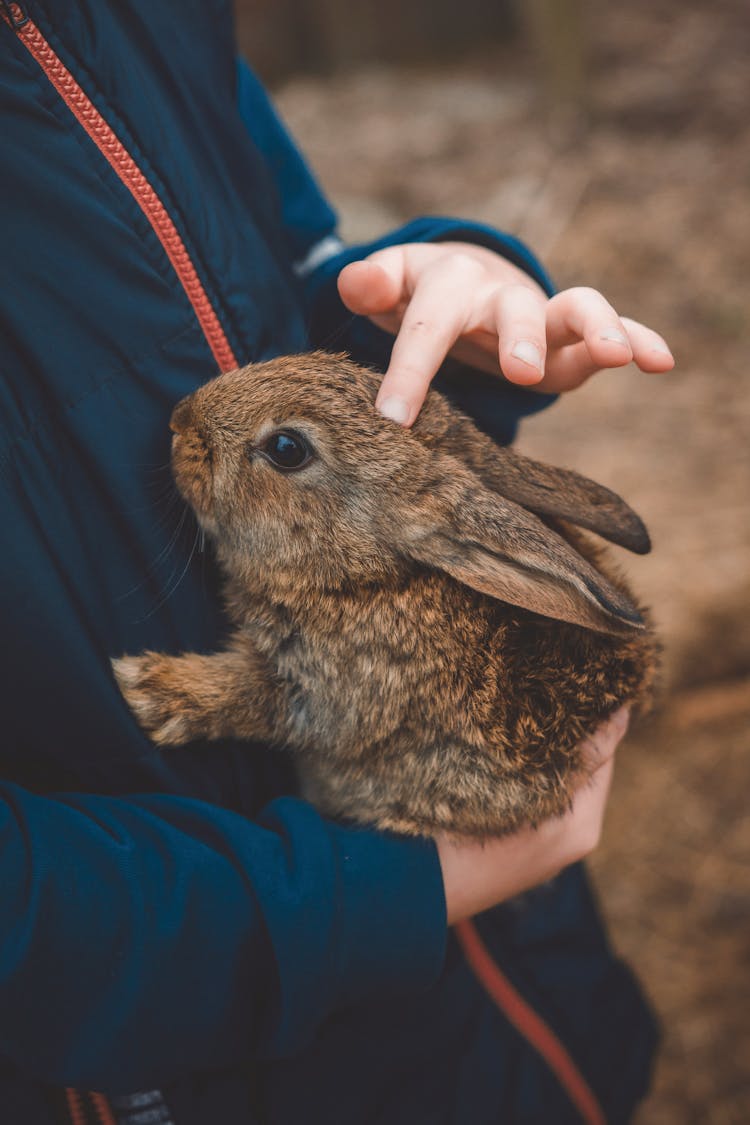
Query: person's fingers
<point x="599" y="747"/>
<point x="584" y="314"/>
<point x="520" y="326"/>
<point x="451" y="303"/>
<point x="650" y="350"/>
<point x="443" y="304"/>
<point x="587" y="814"/>
<point x="568" y="367"/>
<point x="368" y="288"/>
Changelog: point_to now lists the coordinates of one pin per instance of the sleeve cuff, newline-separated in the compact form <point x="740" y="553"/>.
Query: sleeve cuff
<point x="432" y="229"/>
<point x="384" y="932"/>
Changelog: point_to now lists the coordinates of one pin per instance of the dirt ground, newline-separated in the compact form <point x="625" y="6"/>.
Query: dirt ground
<point x="649" y="201"/>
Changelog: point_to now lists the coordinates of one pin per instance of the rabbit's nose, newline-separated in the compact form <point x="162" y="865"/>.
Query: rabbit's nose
<point x="182" y="417"/>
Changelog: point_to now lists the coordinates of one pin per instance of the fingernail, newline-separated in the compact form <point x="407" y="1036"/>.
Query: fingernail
<point x="528" y="353"/>
<point x="397" y="409"/>
<point x="615" y="337"/>
<point x="662" y="349"/>
<point x="621" y="720"/>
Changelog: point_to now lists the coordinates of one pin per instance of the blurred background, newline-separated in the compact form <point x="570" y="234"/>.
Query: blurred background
<point x="613" y="139"/>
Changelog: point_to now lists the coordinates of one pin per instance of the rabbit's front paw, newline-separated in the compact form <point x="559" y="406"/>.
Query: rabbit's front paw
<point x="154" y="689"/>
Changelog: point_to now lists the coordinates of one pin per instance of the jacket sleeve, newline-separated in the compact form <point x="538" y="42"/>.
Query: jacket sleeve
<point x="154" y="936"/>
<point x="318" y="255"/>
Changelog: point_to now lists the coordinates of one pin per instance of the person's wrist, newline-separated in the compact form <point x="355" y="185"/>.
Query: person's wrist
<point x="478" y="875"/>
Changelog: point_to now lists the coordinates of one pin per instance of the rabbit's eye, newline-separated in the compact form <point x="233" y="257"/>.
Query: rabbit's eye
<point x="287" y="450"/>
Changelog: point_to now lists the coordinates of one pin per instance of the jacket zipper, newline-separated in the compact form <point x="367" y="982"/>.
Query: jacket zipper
<point x="78" y="1102"/>
<point x="15" y="15"/>
<point x="88" y="1108"/>
<point x="114" y="151"/>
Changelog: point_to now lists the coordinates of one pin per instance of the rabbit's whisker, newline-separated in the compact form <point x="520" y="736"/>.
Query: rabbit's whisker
<point x="164" y="553"/>
<point x="175" y="585"/>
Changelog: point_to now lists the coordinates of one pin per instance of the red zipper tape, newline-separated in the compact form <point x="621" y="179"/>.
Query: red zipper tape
<point x="530" y="1025"/>
<point x="114" y="151"/>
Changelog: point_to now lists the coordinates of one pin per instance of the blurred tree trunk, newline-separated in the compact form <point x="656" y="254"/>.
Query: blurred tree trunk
<point x="558" y="30"/>
<point x="281" y="37"/>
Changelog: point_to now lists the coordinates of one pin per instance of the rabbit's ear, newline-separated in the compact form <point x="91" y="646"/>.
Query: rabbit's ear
<point x="567" y="495"/>
<point x="498" y="548"/>
<point x="545" y="489"/>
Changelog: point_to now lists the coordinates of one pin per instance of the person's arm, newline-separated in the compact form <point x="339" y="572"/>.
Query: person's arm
<point x="147" y="937"/>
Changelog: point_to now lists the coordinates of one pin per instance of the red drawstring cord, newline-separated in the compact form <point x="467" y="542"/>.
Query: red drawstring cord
<point x="531" y="1026"/>
<point x="76" y="1111"/>
<point x="103" y="1109"/>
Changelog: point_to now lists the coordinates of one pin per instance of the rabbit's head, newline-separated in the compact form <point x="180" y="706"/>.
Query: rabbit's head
<point x="296" y="476"/>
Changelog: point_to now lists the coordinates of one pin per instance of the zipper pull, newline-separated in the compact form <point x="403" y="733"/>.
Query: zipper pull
<point x="15" y="15"/>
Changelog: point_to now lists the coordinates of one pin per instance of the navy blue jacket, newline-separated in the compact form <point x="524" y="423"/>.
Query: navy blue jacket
<point x="181" y="920"/>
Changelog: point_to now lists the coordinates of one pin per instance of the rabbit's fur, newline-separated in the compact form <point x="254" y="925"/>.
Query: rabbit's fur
<point x="432" y="650"/>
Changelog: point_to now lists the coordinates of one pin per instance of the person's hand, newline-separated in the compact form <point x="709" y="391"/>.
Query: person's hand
<point x="452" y="297"/>
<point x="479" y="875"/>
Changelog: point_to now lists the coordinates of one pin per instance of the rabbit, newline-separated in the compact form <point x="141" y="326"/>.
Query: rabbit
<point x="414" y="614"/>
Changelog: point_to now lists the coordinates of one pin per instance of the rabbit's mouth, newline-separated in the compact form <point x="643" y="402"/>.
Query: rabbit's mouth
<point x="192" y="467"/>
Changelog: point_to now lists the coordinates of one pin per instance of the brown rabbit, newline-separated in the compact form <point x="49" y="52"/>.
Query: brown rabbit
<point x="411" y="615"/>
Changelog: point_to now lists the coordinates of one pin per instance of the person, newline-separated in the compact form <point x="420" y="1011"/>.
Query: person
<point x="179" y="930"/>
